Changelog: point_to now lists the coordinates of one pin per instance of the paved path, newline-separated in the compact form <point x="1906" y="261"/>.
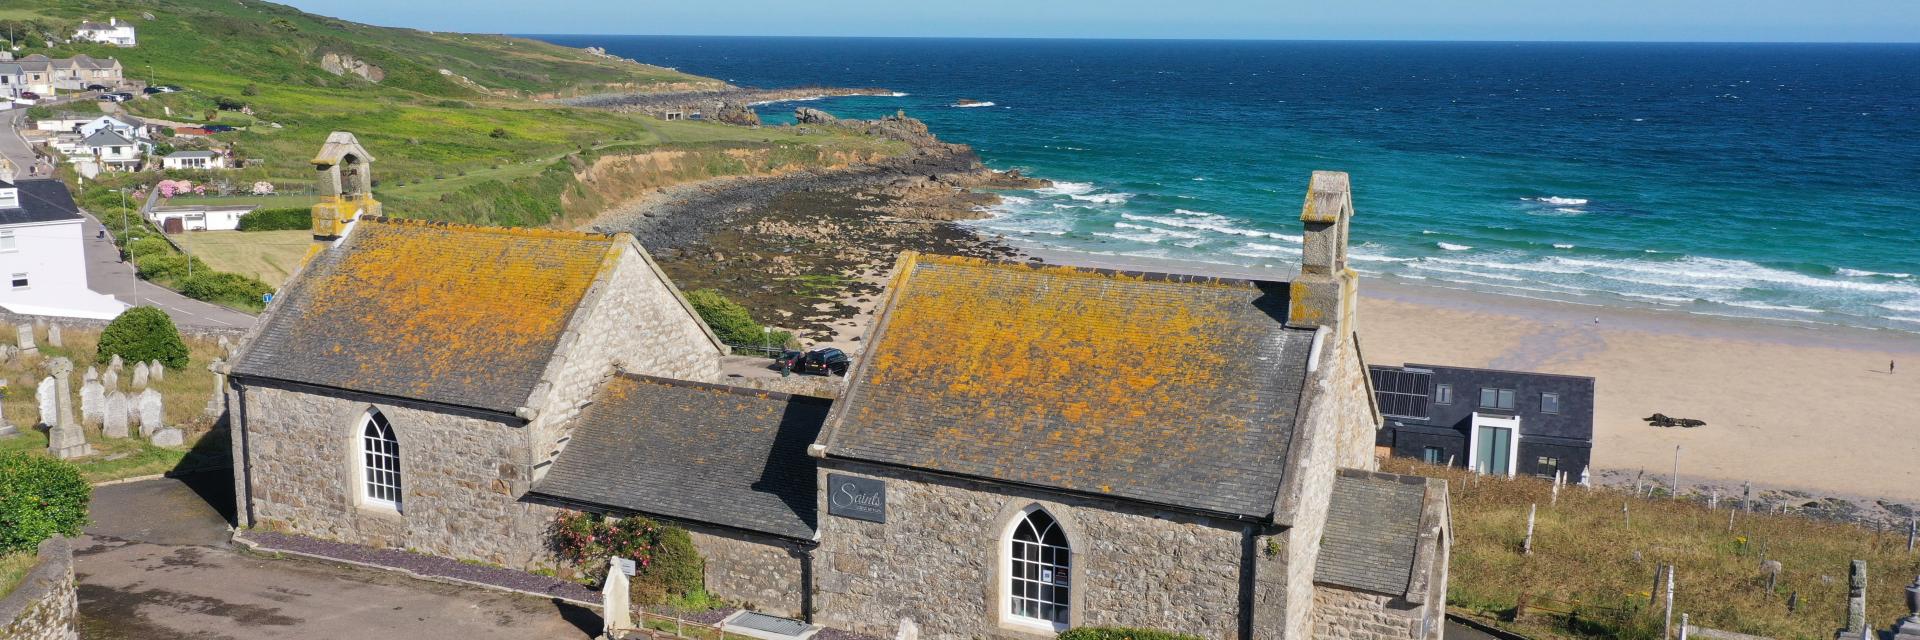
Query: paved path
<point x="106" y="273"/>
<point x="156" y="565"/>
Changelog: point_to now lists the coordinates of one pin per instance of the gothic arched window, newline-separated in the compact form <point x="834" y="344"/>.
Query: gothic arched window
<point x="379" y="461"/>
<point x="1039" y="575"/>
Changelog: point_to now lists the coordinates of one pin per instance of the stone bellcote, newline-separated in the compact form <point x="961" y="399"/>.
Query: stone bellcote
<point x="344" y="177"/>
<point x="1324" y="293"/>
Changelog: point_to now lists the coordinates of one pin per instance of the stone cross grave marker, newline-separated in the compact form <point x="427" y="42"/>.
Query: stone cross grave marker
<point x="114" y="424"/>
<point x="65" y="438"/>
<point x="1856" y="601"/>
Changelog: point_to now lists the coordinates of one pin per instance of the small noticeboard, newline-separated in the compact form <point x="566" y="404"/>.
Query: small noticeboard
<point x="626" y="565"/>
<point x="857" y="498"/>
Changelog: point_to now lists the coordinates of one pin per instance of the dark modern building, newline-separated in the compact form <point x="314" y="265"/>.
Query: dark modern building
<point x="1492" y="421"/>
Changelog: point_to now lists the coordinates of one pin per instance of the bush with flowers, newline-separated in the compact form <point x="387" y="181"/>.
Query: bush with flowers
<point x="666" y="563"/>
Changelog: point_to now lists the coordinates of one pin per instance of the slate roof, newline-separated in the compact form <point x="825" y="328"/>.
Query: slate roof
<point x="696" y="452"/>
<point x="1169" y="389"/>
<point x="1373" y="531"/>
<point x="40" y="201"/>
<point x="191" y="154"/>
<point x="455" y="314"/>
<point x="107" y="138"/>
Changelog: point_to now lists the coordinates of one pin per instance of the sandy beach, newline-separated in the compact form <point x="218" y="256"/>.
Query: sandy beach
<point x="1787" y="406"/>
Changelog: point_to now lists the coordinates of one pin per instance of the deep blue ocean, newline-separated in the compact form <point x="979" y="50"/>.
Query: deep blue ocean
<point x="1777" y="181"/>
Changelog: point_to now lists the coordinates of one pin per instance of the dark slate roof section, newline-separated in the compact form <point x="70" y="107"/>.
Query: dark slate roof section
<point x="41" y="201"/>
<point x="1174" y="390"/>
<point x="694" y="452"/>
<point x="1373" y="532"/>
<point x="451" y="314"/>
<point x="1576" y="393"/>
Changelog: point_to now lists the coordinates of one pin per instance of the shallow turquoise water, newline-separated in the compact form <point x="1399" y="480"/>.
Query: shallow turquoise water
<point x="1777" y="181"/>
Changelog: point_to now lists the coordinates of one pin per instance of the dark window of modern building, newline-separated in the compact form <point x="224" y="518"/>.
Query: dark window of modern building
<point x="1491" y="398"/>
<point x="1443" y="394"/>
<point x="1402" y="393"/>
<point x="1550" y="403"/>
<point x="1432" y="455"/>
<point x="19" y="281"/>
<point x="1546" y="467"/>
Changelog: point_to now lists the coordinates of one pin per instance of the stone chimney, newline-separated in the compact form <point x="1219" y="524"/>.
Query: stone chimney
<point x="1324" y="293"/>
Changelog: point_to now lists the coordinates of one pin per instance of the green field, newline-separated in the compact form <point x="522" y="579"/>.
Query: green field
<point x="270" y="256"/>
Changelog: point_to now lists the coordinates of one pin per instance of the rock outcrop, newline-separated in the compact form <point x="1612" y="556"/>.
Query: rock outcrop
<point x="341" y="64"/>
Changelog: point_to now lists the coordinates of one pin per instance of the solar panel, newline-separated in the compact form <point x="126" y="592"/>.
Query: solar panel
<point x="1402" y="393"/>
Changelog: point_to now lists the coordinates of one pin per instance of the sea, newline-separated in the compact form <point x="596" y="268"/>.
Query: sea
<point x="1776" y="181"/>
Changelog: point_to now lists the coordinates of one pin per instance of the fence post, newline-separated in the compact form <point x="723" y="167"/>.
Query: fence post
<point x="1913" y="529"/>
<point x="1676" y="472"/>
<point x="1659" y="575"/>
<point x="1526" y="547"/>
<point x="1667" y="631"/>
<point x="1683" y="626"/>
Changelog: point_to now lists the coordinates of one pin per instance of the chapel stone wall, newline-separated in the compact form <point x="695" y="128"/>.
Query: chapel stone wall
<point x="937" y="561"/>
<point x="1347" y="614"/>
<point x="459" y="476"/>
<point x="762" y="572"/>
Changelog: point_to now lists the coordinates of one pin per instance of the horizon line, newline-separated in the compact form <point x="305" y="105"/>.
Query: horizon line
<point x="1217" y="39"/>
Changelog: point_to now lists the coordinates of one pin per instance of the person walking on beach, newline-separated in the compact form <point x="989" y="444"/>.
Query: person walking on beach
<point x="1889" y="366"/>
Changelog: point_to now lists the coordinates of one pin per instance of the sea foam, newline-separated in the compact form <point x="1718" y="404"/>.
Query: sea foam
<point x="1452" y="247"/>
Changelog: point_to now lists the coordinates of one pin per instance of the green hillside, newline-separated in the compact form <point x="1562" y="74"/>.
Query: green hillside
<point x="454" y="119"/>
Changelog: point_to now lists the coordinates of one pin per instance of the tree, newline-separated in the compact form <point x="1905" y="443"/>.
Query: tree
<point x="731" y="321"/>
<point x="141" y="334"/>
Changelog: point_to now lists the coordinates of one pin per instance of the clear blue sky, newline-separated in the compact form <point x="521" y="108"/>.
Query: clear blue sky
<point x="1670" y="20"/>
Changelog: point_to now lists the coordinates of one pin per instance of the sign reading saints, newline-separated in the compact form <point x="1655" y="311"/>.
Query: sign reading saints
<point x="857" y="498"/>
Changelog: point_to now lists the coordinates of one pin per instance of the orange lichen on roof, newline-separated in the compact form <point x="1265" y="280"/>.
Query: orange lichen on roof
<point x="445" y="312"/>
<point x="1068" y="376"/>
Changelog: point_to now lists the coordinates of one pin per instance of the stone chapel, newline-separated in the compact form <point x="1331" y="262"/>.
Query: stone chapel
<point x="1021" y="449"/>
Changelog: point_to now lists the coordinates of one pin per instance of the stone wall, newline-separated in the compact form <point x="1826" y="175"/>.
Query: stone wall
<point x="1358" y="420"/>
<point x="460" y="477"/>
<point x="763" y="573"/>
<point x="633" y="320"/>
<point x="937" y="560"/>
<point x="44" y="605"/>
<point x="1346" y="614"/>
<point x="9" y="318"/>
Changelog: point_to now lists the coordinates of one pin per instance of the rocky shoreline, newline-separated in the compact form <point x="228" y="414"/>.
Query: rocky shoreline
<point x="732" y="105"/>
<point x="808" y="250"/>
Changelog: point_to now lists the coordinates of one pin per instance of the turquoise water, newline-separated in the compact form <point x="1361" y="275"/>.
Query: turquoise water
<point x="1775" y="181"/>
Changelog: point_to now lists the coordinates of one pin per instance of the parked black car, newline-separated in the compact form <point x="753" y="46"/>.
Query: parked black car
<point x="818" y="361"/>
<point x="218" y="128"/>
<point x="29" y="95"/>
<point x="153" y="90"/>
<point x="98" y="87"/>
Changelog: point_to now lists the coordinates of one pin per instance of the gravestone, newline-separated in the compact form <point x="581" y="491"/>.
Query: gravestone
<point x="226" y="346"/>
<point x="116" y="364"/>
<point x="115" y="423"/>
<point x="92" y="375"/>
<point x="140" y="375"/>
<point x="53" y="336"/>
<point x="615" y="601"/>
<point x="169" y="437"/>
<point x="93" y="403"/>
<point x="110" y="380"/>
<point x="1856" y="602"/>
<point x="49" y="410"/>
<point x="26" y="337"/>
<point x="1909" y="627"/>
<point x="65" y="438"/>
<point x="217" y="403"/>
<point x="5" y="428"/>
<point x="153" y="412"/>
<point x="7" y="352"/>
<point x="156" y="372"/>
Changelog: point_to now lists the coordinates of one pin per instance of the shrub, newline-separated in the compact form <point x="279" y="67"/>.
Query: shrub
<point x="229" y="288"/>
<point x="498" y="133"/>
<point x="160" y="266"/>
<point x="1121" y="633"/>
<point x="731" y="321"/>
<point x="276" y="220"/>
<point x="147" y="246"/>
<point x="39" y="497"/>
<point x="667" y="564"/>
<point x="141" y="334"/>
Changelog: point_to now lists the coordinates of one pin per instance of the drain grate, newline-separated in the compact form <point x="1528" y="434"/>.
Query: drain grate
<point x="769" y="625"/>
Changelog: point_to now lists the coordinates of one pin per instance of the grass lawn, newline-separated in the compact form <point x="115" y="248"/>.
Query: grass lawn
<point x="13" y="569"/>
<point x="185" y="391"/>
<point x="270" y="256"/>
<point x="1591" y="571"/>
<point x="279" y="201"/>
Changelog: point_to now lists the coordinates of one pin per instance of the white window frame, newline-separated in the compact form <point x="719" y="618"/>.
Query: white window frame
<point x="381" y="491"/>
<point x="8" y="242"/>
<point x="1008" y="580"/>
<point x="1556" y="403"/>
<point x="20" y="281"/>
<point x="1442" y="393"/>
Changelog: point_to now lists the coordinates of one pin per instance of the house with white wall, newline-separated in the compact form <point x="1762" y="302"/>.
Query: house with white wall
<point x="199" y="217"/>
<point x="193" y="160"/>
<point x="112" y="149"/>
<point x="13" y="80"/>
<point x="64" y="122"/>
<point x="128" y="126"/>
<point x="113" y="32"/>
<point x="43" y="254"/>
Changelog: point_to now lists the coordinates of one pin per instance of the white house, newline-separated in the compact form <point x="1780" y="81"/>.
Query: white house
<point x="193" y="160"/>
<point x="13" y="80"/>
<point x="110" y="148"/>
<point x="199" y="217"/>
<point x="43" y="254"/>
<point x="113" y="32"/>
<point x="127" y="126"/>
<point x="64" y="122"/>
